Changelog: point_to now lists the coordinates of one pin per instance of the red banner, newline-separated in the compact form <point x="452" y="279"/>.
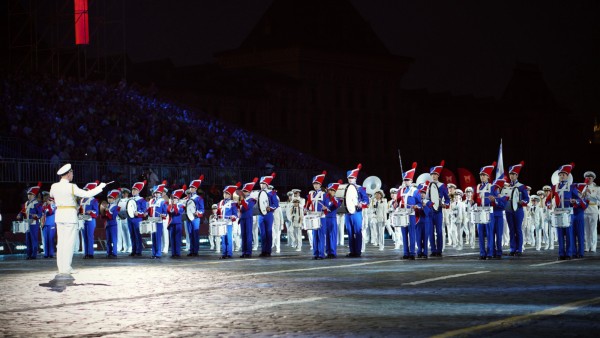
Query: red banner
<point x="466" y="179"/>
<point x="448" y="177"/>
<point x="82" y="29"/>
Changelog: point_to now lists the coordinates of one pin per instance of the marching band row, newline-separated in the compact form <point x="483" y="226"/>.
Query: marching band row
<point x="419" y="217"/>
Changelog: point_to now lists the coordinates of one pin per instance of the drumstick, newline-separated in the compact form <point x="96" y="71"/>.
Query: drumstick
<point x="110" y="182"/>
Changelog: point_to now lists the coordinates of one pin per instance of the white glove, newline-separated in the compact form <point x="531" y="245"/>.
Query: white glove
<point x="102" y="185"/>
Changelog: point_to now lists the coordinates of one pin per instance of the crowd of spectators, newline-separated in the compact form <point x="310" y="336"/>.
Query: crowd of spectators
<point x="72" y="120"/>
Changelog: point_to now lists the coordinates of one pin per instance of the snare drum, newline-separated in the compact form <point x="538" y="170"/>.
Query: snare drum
<point x="561" y="217"/>
<point x="312" y="221"/>
<point x="400" y="219"/>
<point x="84" y="217"/>
<point x="218" y="228"/>
<point x="20" y="227"/>
<point x="147" y="227"/>
<point x="481" y="215"/>
<point x="155" y="219"/>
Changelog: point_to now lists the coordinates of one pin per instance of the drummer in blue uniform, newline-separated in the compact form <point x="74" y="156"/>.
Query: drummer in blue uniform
<point x="579" y="222"/>
<point x="331" y="203"/>
<point x="158" y="210"/>
<point x="565" y="196"/>
<point x="409" y="197"/>
<point x="423" y="215"/>
<point x="89" y="206"/>
<point x="229" y="211"/>
<point x="32" y="213"/>
<point x="134" y="222"/>
<point x="354" y="221"/>
<point x="246" y="218"/>
<point x="175" y="209"/>
<point x="194" y="226"/>
<point x="49" y="227"/>
<point x="315" y="204"/>
<point x="482" y="199"/>
<point x="265" y="222"/>
<point x="498" y="204"/>
<point x="436" y="236"/>
<point x="514" y="217"/>
<point x="111" y="213"/>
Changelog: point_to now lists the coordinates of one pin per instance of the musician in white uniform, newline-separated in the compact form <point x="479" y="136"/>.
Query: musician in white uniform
<point x="286" y="221"/>
<point x="214" y="240"/>
<point x="64" y="193"/>
<point x="396" y="234"/>
<point x="468" y="224"/>
<point x="302" y="200"/>
<point x="277" y="224"/>
<point x="124" y="241"/>
<point x="549" y="231"/>
<point x="457" y="216"/>
<point x="379" y="206"/>
<point x="296" y="217"/>
<point x="592" y="195"/>
<point x="536" y="215"/>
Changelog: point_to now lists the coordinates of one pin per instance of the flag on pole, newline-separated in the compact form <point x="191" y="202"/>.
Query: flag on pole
<point x="499" y="164"/>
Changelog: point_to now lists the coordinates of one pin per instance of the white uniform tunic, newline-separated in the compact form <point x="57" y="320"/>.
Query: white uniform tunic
<point x="64" y="194"/>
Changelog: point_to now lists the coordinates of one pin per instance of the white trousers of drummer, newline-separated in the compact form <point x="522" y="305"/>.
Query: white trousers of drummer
<point x="297" y="230"/>
<point x="341" y="228"/>
<point x="277" y="227"/>
<point x="292" y="235"/>
<point x="375" y="230"/>
<point x="165" y="237"/>
<point x="123" y="239"/>
<point x="254" y="233"/>
<point x="470" y="233"/>
<point x="549" y="234"/>
<point x="310" y="238"/>
<point x="381" y="226"/>
<point x="188" y="245"/>
<point x="505" y="233"/>
<point x="590" y="220"/>
<point x="66" y="233"/>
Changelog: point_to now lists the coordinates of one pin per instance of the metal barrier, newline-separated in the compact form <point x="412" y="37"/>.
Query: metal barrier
<point x="30" y="170"/>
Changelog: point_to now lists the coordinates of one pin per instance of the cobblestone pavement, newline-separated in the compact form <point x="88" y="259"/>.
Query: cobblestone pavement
<point x="290" y="294"/>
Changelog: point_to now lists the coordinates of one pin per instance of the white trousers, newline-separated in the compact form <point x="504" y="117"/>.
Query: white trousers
<point x="124" y="239"/>
<point x="276" y="240"/>
<point x="66" y="233"/>
<point x="591" y="231"/>
<point x="165" y="237"/>
<point x="254" y="232"/>
<point x="341" y="228"/>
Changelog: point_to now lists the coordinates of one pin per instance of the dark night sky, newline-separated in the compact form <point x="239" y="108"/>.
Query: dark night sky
<point x="465" y="47"/>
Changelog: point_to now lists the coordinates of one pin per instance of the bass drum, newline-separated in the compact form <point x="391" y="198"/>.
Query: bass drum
<point x="515" y="198"/>
<point x="190" y="210"/>
<point x="262" y="203"/>
<point x="123" y="208"/>
<point x="434" y="195"/>
<point x="131" y="208"/>
<point x="349" y="194"/>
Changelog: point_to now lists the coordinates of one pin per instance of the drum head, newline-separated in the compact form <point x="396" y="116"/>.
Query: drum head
<point x="131" y="208"/>
<point x="263" y="202"/>
<point x="434" y="195"/>
<point x="341" y="191"/>
<point x="515" y="199"/>
<point x="123" y="211"/>
<point x="351" y="198"/>
<point x="190" y="210"/>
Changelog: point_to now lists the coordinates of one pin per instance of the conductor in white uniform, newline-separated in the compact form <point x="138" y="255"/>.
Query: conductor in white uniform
<point x="64" y="193"/>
